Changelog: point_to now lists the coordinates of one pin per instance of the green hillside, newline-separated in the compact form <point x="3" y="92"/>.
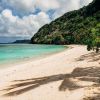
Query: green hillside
<point x="73" y="27"/>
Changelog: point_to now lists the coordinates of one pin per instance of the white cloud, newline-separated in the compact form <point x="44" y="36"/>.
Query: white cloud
<point x="45" y="5"/>
<point x="69" y="5"/>
<point x="7" y="15"/>
<point x="21" y="6"/>
<point x="65" y="6"/>
<point x="14" y="26"/>
<point x="29" y="6"/>
<point x="85" y="2"/>
<point x="11" y="24"/>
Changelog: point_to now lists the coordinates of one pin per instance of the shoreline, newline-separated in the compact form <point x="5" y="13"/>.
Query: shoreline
<point x="30" y="59"/>
<point x="48" y="74"/>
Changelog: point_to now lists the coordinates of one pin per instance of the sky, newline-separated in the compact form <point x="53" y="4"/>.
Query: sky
<point x="23" y="18"/>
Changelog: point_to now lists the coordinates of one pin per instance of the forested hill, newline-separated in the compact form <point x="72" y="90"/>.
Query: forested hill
<point x="73" y="27"/>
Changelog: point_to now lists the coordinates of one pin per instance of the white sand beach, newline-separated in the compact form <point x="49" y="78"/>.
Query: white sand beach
<point x="69" y="75"/>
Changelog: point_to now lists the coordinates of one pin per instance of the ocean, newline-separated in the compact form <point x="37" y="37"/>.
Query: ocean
<point x="13" y="52"/>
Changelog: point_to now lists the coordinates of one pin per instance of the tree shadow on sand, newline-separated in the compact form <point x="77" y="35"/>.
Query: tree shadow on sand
<point x="97" y="97"/>
<point x="91" y="57"/>
<point x="90" y="74"/>
<point x="95" y="94"/>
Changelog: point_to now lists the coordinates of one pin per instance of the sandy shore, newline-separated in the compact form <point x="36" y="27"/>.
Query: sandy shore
<point x="69" y="75"/>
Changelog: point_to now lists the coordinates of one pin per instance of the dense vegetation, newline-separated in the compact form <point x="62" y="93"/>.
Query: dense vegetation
<point x="75" y="27"/>
<point x="94" y="39"/>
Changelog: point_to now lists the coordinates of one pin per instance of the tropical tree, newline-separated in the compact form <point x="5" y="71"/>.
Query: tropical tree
<point x="94" y="39"/>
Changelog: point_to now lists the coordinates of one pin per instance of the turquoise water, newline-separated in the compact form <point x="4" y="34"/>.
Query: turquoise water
<point x="12" y="52"/>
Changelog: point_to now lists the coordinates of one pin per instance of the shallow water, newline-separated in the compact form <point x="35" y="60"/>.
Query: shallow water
<point x="12" y="52"/>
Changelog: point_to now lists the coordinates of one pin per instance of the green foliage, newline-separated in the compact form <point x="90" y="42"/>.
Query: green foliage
<point x="94" y="39"/>
<point x="75" y="27"/>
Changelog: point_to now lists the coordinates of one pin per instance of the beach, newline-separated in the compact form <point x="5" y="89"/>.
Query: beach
<point x="69" y="75"/>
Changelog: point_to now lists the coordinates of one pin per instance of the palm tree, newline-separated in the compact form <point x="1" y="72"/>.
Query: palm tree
<point x="94" y="40"/>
